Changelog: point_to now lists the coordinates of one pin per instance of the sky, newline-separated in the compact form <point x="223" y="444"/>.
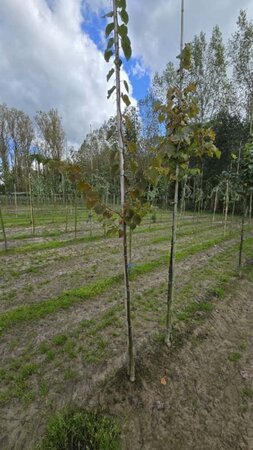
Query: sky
<point x="51" y="52"/>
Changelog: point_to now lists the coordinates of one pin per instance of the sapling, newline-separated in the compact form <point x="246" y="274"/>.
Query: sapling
<point x="183" y="141"/>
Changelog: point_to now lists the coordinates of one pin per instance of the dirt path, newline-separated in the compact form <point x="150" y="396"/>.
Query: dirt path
<point x="207" y="401"/>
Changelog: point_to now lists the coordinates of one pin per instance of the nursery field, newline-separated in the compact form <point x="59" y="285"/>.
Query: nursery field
<point x="62" y="326"/>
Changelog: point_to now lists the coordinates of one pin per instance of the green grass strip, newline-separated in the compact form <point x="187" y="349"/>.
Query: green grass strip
<point x="67" y="299"/>
<point x="31" y="312"/>
<point x="48" y="245"/>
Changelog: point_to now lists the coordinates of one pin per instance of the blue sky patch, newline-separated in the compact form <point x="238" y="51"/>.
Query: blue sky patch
<point x="94" y="26"/>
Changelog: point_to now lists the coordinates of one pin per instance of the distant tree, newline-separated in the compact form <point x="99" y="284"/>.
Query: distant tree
<point x="208" y="71"/>
<point x="241" y="56"/>
<point x="4" y="148"/>
<point x="52" y="134"/>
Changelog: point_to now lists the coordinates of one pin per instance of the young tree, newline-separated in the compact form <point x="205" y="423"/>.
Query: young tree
<point x="120" y="35"/>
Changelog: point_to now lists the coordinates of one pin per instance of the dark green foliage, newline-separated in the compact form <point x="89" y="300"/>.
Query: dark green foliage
<point x="231" y="133"/>
<point x="81" y="430"/>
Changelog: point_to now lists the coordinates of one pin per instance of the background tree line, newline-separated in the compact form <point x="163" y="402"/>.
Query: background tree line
<point x="223" y="75"/>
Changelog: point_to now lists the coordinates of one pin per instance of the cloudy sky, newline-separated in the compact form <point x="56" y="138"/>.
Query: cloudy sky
<point x="51" y="51"/>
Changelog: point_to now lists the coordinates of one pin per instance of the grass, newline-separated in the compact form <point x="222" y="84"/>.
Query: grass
<point x="79" y="429"/>
<point x="48" y="245"/>
<point x="28" y="313"/>
<point x="190" y="311"/>
<point x="90" y="341"/>
<point x="36" y="311"/>
<point x="234" y="356"/>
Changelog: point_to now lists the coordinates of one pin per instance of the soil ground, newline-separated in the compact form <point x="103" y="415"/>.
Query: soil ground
<point x="196" y="395"/>
<point x="199" y="394"/>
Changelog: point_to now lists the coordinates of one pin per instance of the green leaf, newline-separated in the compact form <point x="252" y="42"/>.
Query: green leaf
<point x="125" y="99"/>
<point x="110" y="73"/>
<point x="121" y="4"/>
<point x="123" y="30"/>
<point x="109" y="14"/>
<point x="107" y="55"/>
<point x="112" y="231"/>
<point x="109" y="28"/>
<point x="124" y="16"/>
<point x="110" y="43"/>
<point x="99" y="208"/>
<point x="126" y="86"/>
<point x="126" y="47"/>
<point x="109" y="93"/>
<point x="217" y="153"/>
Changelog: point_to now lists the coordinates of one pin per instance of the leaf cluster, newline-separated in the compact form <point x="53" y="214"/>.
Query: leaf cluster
<point x="184" y="138"/>
<point x="115" y="32"/>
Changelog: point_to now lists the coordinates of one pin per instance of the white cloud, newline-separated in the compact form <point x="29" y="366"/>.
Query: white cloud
<point x="47" y="61"/>
<point x="138" y="70"/>
<point x="155" y="26"/>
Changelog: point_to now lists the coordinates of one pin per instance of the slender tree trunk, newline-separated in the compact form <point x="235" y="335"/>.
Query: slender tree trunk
<point x="3" y="229"/>
<point x="66" y="214"/>
<point x="131" y="362"/>
<point x="215" y="204"/>
<point x="171" y="279"/>
<point x="75" y="215"/>
<point x="15" y="200"/>
<point x="237" y="172"/>
<point x="242" y="237"/>
<point x="226" y="208"/>
<point x="31" y="204"/>
<point x="182" y="202"/>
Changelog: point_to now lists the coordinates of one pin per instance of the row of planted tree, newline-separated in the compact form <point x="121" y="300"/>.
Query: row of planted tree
<point x="174" y="160"/>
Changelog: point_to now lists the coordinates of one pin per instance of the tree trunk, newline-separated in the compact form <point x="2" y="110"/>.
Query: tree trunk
<point x="131" y="362"/>
<point x="31" y="204"/>
<point x="3" y="229"/>
<point x="242" y="238"/>
<point x="171" y="280"/>
<point x="182" y="202"/>
<point x="15" y="200"/>
<point x="75" y="215"/>
<point x="215" y="204"/>
<point x="226" y="208"/>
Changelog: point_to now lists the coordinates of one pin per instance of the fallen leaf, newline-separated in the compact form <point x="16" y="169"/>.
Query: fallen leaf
<point x="163" y="381"/>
